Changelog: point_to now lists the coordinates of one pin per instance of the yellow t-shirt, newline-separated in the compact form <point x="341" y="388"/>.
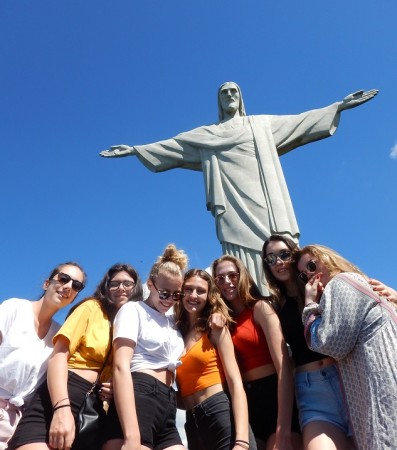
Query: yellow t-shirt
<point x="87" y="330"/>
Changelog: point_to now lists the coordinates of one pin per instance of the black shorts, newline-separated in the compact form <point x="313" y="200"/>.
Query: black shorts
<point x="36" y="419"/>
<point x="262" y="401"/>
<point x="155" y="405"/>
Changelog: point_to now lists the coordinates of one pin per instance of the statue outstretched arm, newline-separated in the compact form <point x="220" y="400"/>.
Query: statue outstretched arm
<point x="356" y="99"/>
<point x="118" y="151"/>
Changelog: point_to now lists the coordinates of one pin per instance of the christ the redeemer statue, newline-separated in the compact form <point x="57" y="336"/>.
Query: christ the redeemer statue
<point x="244" y="183"/>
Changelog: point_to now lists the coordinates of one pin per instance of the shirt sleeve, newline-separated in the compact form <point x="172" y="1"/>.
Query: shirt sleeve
<point x="338" y="320"/>
<point x="75" y="326"/>
<point x="126" y="323"/>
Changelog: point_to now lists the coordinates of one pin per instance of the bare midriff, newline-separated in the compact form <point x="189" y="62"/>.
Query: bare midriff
<point x="259" y="372"/>
<point x="315" y="365"/>
<point x="190" y="401"/>
<point x="163" y="375"/>
<point x="87" y="374"/>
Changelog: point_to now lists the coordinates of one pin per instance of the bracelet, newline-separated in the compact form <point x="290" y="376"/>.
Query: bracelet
<point x="58" y="402"/>
<point x="59" y="407"/>
<point x="242" y="443"/>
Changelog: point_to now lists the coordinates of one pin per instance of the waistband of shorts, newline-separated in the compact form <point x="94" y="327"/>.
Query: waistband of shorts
<point x="317" y="375"/>
<point x="261" y="381"/>
<point x="149" y="379"/>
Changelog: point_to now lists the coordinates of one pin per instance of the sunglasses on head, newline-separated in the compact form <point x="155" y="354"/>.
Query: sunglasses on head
<point x="164" y="295"/>
<point x="233" y="276"/>
<point x="64" y="278"/>
<point x="271" y="258"/>
<point x="311" y="267"/>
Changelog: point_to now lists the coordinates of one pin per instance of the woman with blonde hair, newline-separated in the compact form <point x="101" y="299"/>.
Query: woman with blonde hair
<point x="147" y="347"/>
<point x="345" y="319"/>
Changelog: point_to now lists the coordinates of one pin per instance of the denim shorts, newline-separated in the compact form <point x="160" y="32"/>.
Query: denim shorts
<point x="319" y="398"/>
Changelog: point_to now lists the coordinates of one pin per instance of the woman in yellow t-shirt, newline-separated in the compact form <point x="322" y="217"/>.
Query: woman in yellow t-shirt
<point x="80" y="349"/>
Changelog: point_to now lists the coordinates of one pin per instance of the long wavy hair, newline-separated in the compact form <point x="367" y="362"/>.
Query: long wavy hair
<point x="248" y="291"/>
<point x="214" y="304"/>
<point x="332" y="260"/>
<point x="277" y="288"/>
<point x="101" y="293"/>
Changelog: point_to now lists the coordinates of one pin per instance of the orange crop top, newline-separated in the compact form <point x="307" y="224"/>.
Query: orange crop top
<point x="250" y="343"/>
<point x="201" y="368"/>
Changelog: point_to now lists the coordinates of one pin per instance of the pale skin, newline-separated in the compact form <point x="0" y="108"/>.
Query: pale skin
<point x="55" y="297"/>
<point x="196" y="292"/>
<point x="267" y="319"/>
<point x="317" y="435"/>
<point x="229" y="97"/>
<point x="123" y="387"/>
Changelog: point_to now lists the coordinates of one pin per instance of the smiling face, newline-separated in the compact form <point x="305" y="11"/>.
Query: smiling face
<point x="305" y="266"/>
<point x="120" y="288"/>
<point x="227" y="280"/>
<point x="196" y="295"/>
<point x="59" y="293"/>
<point x="163" y="285"/>
<point x="281" y="269"/>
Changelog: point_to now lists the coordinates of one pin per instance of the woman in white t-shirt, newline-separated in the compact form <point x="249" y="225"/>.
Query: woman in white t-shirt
<point x="26" y="332"/>
<point x="147" y="347"/>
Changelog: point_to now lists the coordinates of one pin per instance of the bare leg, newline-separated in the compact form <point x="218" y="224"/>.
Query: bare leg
<point x="324" y="436"/>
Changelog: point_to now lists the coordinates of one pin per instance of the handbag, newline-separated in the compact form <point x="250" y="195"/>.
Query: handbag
<point x="91" y="415"/>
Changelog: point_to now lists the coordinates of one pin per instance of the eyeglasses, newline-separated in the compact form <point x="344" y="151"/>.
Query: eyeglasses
<point x="164" y="295"/>
<point x="126" y="284"/>
<point x="311" y="267"/>
<point x="271" y="258"/>
<point x="64" y="278"/>
<point x="220" y="280"/>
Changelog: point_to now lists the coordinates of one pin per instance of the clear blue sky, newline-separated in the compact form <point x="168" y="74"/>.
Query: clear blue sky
<point x="79" y="76"/>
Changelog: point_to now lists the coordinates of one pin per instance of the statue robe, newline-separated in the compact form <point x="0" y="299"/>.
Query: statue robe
<point x="244" y="183"/>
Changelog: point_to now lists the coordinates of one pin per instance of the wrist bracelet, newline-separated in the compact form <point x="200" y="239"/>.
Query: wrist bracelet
<point x="59" y="407"/>
<point x="59" y="401"/>
<point x="242" y="443"/>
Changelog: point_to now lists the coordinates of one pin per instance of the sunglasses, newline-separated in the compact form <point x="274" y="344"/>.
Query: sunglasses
<point x="164" y="295"/>
<point x="271" y="258"/>
<point x="126" y="284"/>
<point x="311" y="267"/>
<point x="64" y="278"/>
<point x="220" y="280"/>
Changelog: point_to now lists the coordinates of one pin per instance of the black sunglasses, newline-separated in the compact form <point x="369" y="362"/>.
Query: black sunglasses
<point x="271" y="258"/>
<point x="64" y="278"/>
<point x="311" y="267"/>
<point x="164" y="295"/>
<point x="233" y="276"/>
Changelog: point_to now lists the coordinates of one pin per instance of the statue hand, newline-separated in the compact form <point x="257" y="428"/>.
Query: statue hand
<point x="118" y="151"/>
<point x="356" y="98"/>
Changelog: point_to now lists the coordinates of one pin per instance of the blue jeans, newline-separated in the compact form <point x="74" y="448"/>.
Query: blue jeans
<point x="210" y="425"/>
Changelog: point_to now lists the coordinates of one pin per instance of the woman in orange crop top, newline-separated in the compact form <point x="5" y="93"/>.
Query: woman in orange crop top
<point x="80" y="348"/>
<point x="262" y="357"/>
<point x="215" y="420"/>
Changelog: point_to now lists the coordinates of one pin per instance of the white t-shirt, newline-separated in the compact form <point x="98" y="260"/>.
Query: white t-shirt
<point x="23" y="355"/>
<point x="159" y="344"/>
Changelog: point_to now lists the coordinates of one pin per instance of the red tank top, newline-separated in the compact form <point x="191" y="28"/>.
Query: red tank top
<point x="250" y="343"/>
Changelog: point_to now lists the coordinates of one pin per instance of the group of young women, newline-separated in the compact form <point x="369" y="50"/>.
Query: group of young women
<point x="233" y="354"/>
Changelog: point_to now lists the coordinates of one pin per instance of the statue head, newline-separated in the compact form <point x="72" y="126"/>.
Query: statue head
<point x="230" y="100"/>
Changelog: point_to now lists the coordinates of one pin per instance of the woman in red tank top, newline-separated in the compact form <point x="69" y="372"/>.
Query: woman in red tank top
<point x="262" y="356"/>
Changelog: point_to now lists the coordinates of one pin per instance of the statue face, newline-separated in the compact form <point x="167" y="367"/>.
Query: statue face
<point x="229" y="97"/>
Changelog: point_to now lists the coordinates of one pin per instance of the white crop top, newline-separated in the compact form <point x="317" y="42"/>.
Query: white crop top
<point x="159" y="344"/>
